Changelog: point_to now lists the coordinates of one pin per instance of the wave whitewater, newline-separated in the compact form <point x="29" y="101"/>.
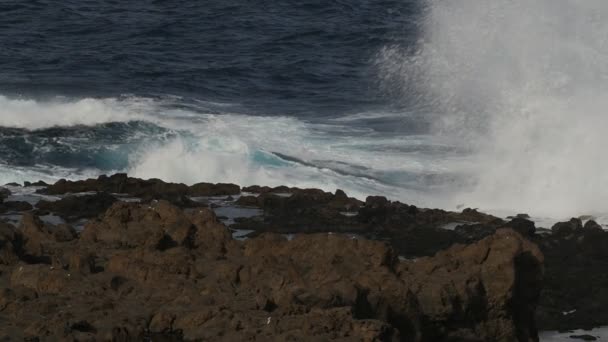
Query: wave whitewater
<point x="522" y="84"/>
<point x="160" y="138"/>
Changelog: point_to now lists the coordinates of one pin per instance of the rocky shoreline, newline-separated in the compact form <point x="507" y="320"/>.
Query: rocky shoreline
<point x="119" y="258"/>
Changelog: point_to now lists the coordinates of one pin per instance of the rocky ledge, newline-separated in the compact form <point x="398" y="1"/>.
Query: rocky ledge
<point x="118" y="258"/>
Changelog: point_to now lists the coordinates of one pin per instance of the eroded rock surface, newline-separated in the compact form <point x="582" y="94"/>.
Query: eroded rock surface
<point x="149" y="189"/>
<point x="155" y="271"/>
<point x="576" y="285"/>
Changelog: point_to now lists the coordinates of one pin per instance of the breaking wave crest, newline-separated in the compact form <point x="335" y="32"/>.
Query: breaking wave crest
<point x="165" y="138"/>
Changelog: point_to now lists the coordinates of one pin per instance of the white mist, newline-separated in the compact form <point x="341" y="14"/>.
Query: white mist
<point x="524" y="85"/>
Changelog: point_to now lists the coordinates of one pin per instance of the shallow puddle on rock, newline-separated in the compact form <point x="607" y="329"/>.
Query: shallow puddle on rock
<point x="228" y="214"/>
<point x="241" y="234"/>
<point x="601" y="334"/>
<point x="29" y="195"/>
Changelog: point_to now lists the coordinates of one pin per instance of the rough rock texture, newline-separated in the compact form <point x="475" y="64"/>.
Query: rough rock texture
<point x="76" y="207"/>
<point x="149" y="189"/>
<point x="153" y="271"/>
<point x="411" y="230"/>
<point x="4" y="193"/>
<point x="576" y="252"/>
<point x="14" y="206"/>
<point x="576" y="285"/>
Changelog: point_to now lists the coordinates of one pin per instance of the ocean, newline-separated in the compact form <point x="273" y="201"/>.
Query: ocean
<point x="498" y="105"/>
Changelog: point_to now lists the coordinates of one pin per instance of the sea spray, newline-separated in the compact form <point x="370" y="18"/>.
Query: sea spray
<point x="523" y="86"/>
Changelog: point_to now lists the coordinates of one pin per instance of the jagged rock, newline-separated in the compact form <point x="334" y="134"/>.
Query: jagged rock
<point x="567" y="228"/>
<point x="38" y="183"/>
<point x="256" y="189"/>
<point x="77" y="207"/>
<point x="248" y="201"/>
<point x="9" y="244"/>
<point x="576" y="258"/>
<point x="4" y="193"/>
<point x="149" y="189"/>
<point x="15" y="206"/>
<point x="143" y="270"/>
<point x="208" y="189"/>
<point x="522" y="225"/>
<point x="38" y="240"/>
<point x="592" y="226"/>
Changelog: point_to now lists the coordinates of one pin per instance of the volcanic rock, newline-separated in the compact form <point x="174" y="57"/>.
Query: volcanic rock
<point x="77" y="207"/>
<point x="14" y="206"/>
<point x="4" y="193"/>
<point x="38" y="183"/>
<point x="143" y="271"/>
<point x="576" y="285"/>
<point x="208" y="189"/>
<point x="150" y="189"/>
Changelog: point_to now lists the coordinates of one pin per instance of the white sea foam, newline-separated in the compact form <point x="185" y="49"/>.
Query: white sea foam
<point x="524" y="84"/>
<point x="228" y="147"/>
<point x="32" y="114"/>
<point x="239" y="149"/>
<point x="15" y="174"/>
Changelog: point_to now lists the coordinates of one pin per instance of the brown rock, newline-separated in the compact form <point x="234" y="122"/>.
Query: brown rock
<point x="8" y="241"/>
<point x="4" y="193"/>
<point x="76" y="207"/>
<point x="153" y="270"/>
<point x="208" y="189"/>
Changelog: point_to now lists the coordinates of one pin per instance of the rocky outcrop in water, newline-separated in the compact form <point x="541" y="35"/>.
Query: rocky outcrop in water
<point x="76" y="207"/>
<point x="576" y="285"/>
<point x="155" y="271"/>
<point x="147" y="189"/>
<point x="575" y="251"/>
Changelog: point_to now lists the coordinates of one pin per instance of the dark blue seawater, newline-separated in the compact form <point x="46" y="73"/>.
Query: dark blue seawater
<point x="251" y="92"/>
<point x="307" y="58"/>
<point x="432" y="102"/>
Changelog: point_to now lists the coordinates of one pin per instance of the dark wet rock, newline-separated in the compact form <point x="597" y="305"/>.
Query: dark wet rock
<point x="304" y="211"/>
<point x="386" y="215"/>
<point x="39" y="238"/>
<point x="208" y="189"/>
<point x="584" y="337"/>
<point x="148" y="190"/>
<point x="521" y="216"/>
<point x="248" y="201"/>
<point x="592" y="227"/>
<point x="9" y="244"/>
<point x="474" y="232"/>
<point x="567" y="228"/>
<point x="15" y="206"/>
<point x="4" y="193"/>
<point x="38" y="183"/>
<point x="576" y="285"/>
<point x="142" y="270"/>
<point x="76" y="207"/>
<point x="411" y="230"/>
<point x="256" y="189"/>
<point x="523" y="226"/>
<point x="181" y="201"/>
